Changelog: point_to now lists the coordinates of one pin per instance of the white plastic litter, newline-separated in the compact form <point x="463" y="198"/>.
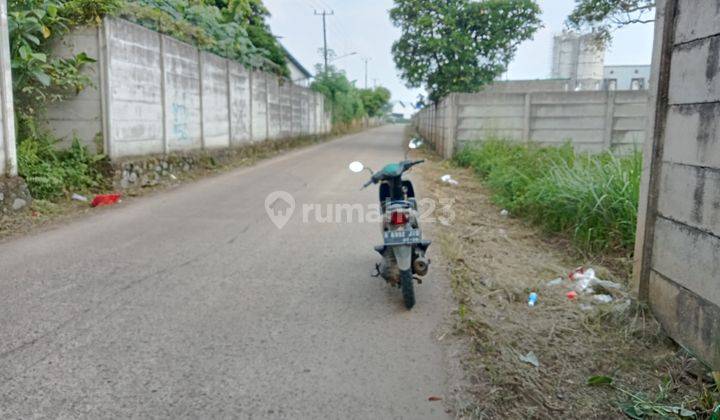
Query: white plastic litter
<point x="448" y="179"/>
<point x="603" y="298"/>
<point x="586" y="281"/>
<point x="78" y="197"/>
<point x="556" y="282"/>
<point x="530" y="358"/>
<point x="504" y="213"/>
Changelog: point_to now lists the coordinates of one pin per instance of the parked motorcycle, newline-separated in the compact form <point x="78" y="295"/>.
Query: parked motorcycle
<point x="403" y="250"/>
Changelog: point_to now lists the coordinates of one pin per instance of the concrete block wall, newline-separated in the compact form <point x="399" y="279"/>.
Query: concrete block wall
<point x="81" y="117"/>
<point x="677" y="266"/>
<point x="592" y="121"/>
<point x="153" y="94"/>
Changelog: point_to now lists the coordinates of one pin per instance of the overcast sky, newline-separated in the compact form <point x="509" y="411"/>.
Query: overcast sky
<point x="364" y="27"/>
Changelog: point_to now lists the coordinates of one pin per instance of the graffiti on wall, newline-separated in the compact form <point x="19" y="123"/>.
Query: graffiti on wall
<point x="180" y="126"/>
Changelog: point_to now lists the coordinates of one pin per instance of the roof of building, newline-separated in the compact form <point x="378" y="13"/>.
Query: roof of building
<point x="296" y="63"/>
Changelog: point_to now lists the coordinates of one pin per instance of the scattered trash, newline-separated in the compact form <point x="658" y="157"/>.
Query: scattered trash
<point x="173" y="176"/>
<point x="448" y="179"/>
<point x="586" y="307"/>
<point x="105" y="200"/>
<point x="78" y="197"/>
<point x="434" y="398"/>
<point x="532" y="299"/>
<point x="603" y="298"/>
<point x="556" y="282"/>
<point x="586" y="281"/>
<point x="530" y="358"/>
<point x="623" y="306"/>
<point x="504" y="213"/>
<point x="571" y="294"/>
<point x="576" y="273"/>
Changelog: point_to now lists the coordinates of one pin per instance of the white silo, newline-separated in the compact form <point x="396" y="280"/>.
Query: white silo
<point x="579" y="58"/>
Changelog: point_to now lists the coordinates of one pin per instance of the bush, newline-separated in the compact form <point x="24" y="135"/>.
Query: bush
<point x="592" y="198"/>
<point x="51" y="173"/>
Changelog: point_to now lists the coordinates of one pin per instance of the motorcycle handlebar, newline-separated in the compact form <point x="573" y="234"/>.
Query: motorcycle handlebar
<point x="407" y="165"/>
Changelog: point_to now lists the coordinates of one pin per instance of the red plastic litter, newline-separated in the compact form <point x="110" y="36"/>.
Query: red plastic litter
<point x="105" y="200"/>
<point x="571" y="294"/>
<point x="576" y="273"/>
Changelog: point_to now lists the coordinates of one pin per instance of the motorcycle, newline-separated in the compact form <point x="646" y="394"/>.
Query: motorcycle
<point x="403" y="249"/>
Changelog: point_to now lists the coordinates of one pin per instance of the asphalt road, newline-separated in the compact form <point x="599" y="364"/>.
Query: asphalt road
<point x="191" y="303"/>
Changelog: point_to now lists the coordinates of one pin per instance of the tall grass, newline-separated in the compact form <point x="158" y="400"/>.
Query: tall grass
<point x="591" y="198"/>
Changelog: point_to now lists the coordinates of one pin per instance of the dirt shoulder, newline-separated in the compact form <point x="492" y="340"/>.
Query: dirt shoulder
<point x="494" y="262"/>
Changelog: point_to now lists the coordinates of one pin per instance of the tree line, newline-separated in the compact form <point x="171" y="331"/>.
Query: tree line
<point x="462" y="45"/>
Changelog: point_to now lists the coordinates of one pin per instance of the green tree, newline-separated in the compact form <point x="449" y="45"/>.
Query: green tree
<point x="235" y="29"/>
<point x="603" y="16"/>
<point x="375" y="100"/>
<point x="459" y="45"/>
<point x="342" y="97"/>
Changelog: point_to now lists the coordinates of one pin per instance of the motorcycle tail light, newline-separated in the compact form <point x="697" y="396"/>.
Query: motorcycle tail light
<point x="398" y="218"/>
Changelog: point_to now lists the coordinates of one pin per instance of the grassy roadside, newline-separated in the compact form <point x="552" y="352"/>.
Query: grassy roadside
<point x="495" y="261"/>
<point x="590" y="199"/>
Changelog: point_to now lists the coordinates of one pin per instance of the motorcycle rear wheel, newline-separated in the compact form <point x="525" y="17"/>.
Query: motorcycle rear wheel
<point x="406" y="284"/>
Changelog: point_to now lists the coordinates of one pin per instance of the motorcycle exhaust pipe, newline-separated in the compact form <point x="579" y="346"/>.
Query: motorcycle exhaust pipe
<point x="420" y="266"/>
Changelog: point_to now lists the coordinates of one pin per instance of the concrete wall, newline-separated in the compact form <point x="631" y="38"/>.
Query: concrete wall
<point x="8" y="163"/>
<point x="529" y="86"/>
<point x="678" y="242"/>
<point x="624" y="75"/>
<point x="592" y="121"/>
<point x="81" y="117"/>
<point x="154" y="94"/>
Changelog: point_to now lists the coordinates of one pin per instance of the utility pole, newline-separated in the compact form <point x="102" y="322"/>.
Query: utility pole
<point x="8" y="162"/>
<point x="366" y="59"/>
<point x="325" y="49"/>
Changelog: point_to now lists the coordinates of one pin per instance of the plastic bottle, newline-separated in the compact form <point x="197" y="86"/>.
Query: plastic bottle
<point x="532" y="299"/>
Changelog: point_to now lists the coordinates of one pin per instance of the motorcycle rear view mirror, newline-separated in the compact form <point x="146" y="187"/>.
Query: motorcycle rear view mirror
<point x="415" y="143"/>
<point x="358" y="167"/>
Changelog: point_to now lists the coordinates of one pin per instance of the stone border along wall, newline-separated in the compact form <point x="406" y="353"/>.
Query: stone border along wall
<point x="592" y="120"/>
<point x="14" y="194"/>
<point x="154" y="95"/>
<point x="677" y="253"/>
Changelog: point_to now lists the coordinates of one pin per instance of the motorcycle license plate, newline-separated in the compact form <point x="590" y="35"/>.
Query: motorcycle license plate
<point x="402" y="237"/>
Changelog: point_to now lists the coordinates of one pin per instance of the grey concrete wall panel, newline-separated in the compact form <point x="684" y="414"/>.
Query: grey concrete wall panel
<point x="182" y="88"/>
<point x="691" y="195"/>
<point x="134" y="96"/>
<point x="215" y="113"/>
<point x="693" y="62"/>
<point x="296" y="103"/>
<point x="80" y="117"/>
<point x="692" y="320"/>
<point x="274" y="110"/>
<point x="696" y="20"/>
<point x="259" y="107"/>
<point x="689" y="257"/>
<point x="692" y="134"/>
<point x="239" y="103"/>
<point x="286" y="109"/>
<point x="304" y="111"/>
